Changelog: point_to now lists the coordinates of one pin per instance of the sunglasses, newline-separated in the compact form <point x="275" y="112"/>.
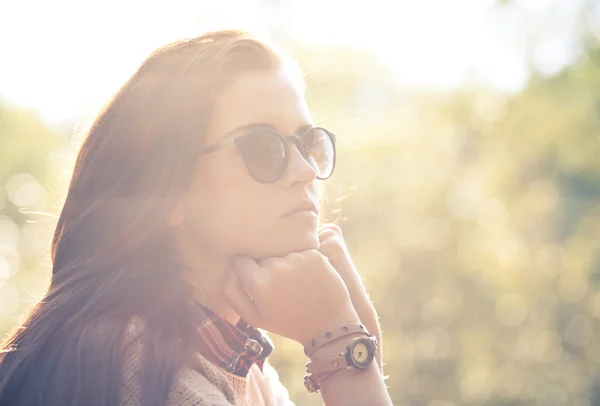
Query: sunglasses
<point x="266" y="152"/>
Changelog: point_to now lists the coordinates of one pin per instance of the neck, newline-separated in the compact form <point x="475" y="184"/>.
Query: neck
<point x="207" y="273"/>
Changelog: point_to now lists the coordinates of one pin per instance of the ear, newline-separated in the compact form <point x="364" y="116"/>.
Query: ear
<point x="177" y="215"/>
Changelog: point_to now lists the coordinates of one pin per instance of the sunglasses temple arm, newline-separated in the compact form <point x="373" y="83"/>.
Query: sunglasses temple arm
<point x="217" y="146"/>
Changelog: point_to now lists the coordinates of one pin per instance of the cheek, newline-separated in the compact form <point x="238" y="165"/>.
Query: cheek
<point x="228" y="209"/>
<point x="232" y="213"/>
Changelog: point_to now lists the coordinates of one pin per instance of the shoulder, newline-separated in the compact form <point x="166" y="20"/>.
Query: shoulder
<point x="196" y="384"/>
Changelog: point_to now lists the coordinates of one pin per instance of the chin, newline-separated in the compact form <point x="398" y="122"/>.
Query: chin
<point x="288" y="243"/>
<point x="309" y="241"/>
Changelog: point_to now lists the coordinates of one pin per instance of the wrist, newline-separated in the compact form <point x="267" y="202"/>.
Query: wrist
<point x="352" y="351"/>
<point x="364" y="306"/>
<point x="333" y="348"/>
<point x="347" y="317"/>
<point x="360" y="299"/>
<point x="332" y="334"/>
<point x="368" y="315"/>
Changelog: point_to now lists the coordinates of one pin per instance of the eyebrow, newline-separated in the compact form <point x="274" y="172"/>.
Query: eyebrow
<point x="262" y="125"/>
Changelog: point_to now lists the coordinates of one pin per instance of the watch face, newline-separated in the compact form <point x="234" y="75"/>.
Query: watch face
<point x="361" y="352"/>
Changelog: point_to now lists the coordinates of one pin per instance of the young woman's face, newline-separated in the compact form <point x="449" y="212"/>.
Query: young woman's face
<point x="230" y="212"/>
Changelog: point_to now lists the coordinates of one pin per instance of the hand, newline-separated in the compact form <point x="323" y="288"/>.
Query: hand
<point x="296" y="296"/>
<point x="332" y="245"/>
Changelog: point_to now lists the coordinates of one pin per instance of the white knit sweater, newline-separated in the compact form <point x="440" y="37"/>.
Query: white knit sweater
<point x="201" y="383"/>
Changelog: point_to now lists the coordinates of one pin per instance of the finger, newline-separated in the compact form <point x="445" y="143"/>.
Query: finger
<point x="331" y="227"/>
<point x="332" y="248"/>
<point x="237" y="297"/>
<point x="272" y="262"/>
<point x="332" y="241"/>
<point x="329" y="231"/>
<point x="248" y="271"/>
<point x="293" y="257"/>
<point x="325" y="235"/>
<point x="324" y="228"/>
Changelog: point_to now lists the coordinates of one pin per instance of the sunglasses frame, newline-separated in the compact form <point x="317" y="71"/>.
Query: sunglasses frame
<point x="285" y="140"/>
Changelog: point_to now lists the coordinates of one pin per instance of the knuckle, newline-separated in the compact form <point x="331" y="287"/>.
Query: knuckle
<point x="312" y="255"/>
<point x="270" y="263"/>
<point x="316" y="258"/>
<point x="253" y="284"/>
<point x="334" y="228"/>
<point x="293" y="257"/>
<point x="264" y="262"/>
<point x="325" y="236"/>
<point x="328" y="243"/>
<point x="278" y="263"/>
<point x="259" y="281"/>
<point x="331" y="246"/>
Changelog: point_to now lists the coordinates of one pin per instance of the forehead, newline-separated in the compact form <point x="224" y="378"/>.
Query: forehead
<point x="259" y="97"/>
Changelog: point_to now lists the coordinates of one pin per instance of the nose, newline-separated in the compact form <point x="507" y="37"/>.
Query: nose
<point x="298" y="169"/>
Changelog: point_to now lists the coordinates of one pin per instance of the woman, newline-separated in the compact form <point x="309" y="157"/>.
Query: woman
<point x="191" y="221"/>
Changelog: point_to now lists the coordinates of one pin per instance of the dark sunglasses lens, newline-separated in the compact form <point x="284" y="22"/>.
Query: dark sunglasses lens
<point x="318" y="149"/>
<point x="264" y="155"/>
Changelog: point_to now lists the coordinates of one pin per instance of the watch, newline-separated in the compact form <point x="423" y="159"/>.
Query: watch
<point x="359" y="354"/>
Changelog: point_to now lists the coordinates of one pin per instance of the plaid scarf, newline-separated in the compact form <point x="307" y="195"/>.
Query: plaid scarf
<point x="232" y="348"/>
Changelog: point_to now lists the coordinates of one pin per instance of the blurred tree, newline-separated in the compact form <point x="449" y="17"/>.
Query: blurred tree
<point x="473" y="215"/>
<point x="30" y="164"/>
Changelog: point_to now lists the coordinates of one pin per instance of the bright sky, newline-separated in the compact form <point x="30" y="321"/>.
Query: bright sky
<point x="64" y="58"/>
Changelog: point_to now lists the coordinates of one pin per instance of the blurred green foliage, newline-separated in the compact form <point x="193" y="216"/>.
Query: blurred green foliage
<point x="474" y="217"/>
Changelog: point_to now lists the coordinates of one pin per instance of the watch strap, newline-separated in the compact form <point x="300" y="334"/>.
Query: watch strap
<point x="331" y="334"/>
<point x="332" y="364"/>
<point x="313" y="382"/>
<point x="339" y="362"/>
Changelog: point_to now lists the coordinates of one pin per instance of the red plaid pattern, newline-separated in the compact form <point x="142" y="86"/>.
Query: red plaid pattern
<point x="232" y="348"/>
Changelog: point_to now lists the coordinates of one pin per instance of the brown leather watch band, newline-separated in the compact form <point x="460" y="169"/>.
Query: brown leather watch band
<point x="313" y="382"/>
<point x="320" y="370"/>
<point x="331" y="334"/>
<point x="339" y="362"/>
<point x="316" y="367"/>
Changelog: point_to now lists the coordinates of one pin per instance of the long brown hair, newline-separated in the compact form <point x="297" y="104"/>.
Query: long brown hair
<point x="113" y="253"/>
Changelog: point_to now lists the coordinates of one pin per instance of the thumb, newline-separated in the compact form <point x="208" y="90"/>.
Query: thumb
<point x="239" y="300"/>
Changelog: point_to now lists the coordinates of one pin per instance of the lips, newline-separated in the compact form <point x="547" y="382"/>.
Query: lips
<point x="306" y="205"/>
